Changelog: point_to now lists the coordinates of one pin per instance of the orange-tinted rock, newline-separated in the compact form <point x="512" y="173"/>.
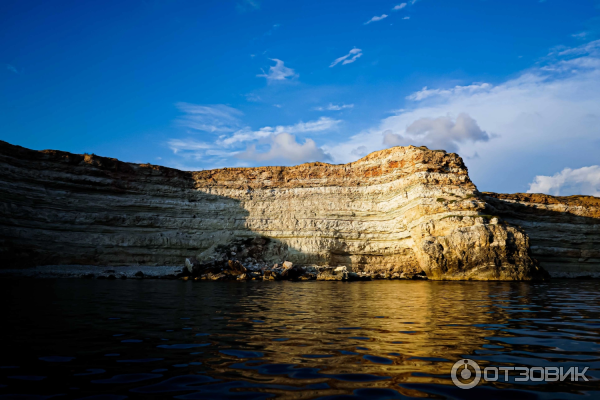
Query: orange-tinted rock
<point x="400" y="210"/>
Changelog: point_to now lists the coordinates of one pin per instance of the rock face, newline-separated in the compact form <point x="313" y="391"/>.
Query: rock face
<point x="564" y="231"/>
<point x="400" y="210"/>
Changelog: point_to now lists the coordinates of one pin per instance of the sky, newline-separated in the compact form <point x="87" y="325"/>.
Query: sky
<point x="512" y="86"/>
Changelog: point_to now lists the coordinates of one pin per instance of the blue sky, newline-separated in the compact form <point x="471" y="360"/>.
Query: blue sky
<point x="512" y="86"/>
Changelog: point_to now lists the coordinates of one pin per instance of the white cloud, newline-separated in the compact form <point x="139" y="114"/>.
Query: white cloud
<point x="587" y="48"/>
<point x="406" y="18"/>
<point x="209" y="118"/>
<point x="334" y="107"/>
<point x="376" y="18"/>
<point x="546" y="115"/>
<point x="242" y="144"/>
<point x="355" y="53"/>
<point x="178" y="145"/>
<point x="438" y="133"/>
<point x="569" y="181"/>
<point x="278" y="72"/>
<point x="399" y="6"/>
<point x="12" y="68"/>
<point x="470" y="89"/>
<point x="246" y="135"/>
<point x="322" y="124"/>
<point x="360" y="151"/>
<point x="284" y="148"/>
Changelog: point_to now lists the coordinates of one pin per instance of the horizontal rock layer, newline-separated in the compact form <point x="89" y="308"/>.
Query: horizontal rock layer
<point x="403" y="209"/>
<point x="564" y="231"/>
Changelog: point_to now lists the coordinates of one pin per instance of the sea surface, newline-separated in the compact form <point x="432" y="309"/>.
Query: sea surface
<point x="144" y="339"/>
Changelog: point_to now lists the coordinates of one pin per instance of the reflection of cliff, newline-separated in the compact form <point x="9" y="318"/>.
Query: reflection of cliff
<point x="564" y="231"/>
<point x="418" y="326"/>
<point x="403" y="209"/>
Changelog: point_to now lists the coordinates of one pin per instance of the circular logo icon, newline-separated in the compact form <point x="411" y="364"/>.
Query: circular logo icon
<point x="461" y="368"/>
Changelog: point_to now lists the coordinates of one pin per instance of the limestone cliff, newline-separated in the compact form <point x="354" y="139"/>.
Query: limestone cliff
<point x="403" y="209"/>
<point x="564" y="231"/>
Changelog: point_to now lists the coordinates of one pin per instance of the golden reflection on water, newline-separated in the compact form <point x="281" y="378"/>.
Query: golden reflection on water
<point x="303" y="340"/>
<point x="419" y="329"/>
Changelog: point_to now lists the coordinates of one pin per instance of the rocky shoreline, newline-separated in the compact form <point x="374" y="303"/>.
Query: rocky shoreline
<point x="279" y="272"/>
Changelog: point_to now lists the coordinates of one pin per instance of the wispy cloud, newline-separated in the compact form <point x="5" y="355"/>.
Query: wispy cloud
<point x="584" y="180"/>
<point x="354" y="54"/>
<point x="376" y="18"/>
<point x="334" y="107"/>
<point x="237" y="143"/>
<point x="209" y="118"/>
<point x="580" y="35"/>
<point x="406" y="18"/>
<point x="399" y="6"/>
<point x="253" y="97"/>
<point x="187" y="144"/>
<point x="547" y="112"/>
<point x="592" y="47"/>
<point x="278" y="72"/>
<point x="247" y="5"/>
<point x="12" y="68"/>
<point x="425" y="92"/>
<point x="247" y="134"/>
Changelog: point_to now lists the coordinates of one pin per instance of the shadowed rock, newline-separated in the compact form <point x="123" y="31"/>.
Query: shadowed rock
<point x="397" y="211"/>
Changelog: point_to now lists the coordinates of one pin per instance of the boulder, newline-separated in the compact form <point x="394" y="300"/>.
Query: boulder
<point x="190" y="263"/>
<point x="333" y="274"/>
<point x="340" y="273"/>
<point x="291" y="273"/>
<point x="216" y="277"/>
<point x="236" y="267"/>
<point x="254" y="275"/>
<point x="271" y="275"/>
<point x="308" y="276"/>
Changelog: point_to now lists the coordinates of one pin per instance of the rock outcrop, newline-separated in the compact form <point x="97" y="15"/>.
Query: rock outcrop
<point x="564" y="232"/>
<point x="397" y="211"/>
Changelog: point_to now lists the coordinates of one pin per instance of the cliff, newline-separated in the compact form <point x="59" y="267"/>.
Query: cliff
<point x="403" y="209"/>
<point x="564" y="231"/>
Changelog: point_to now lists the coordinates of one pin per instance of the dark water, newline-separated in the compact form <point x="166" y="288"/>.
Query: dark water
<point x="217" y="340"/>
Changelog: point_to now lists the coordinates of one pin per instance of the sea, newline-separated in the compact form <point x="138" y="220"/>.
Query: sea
<point x="160" y="339"/>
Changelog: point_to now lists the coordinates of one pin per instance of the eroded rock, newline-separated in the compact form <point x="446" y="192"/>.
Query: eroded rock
<point x="399" y="210"/>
